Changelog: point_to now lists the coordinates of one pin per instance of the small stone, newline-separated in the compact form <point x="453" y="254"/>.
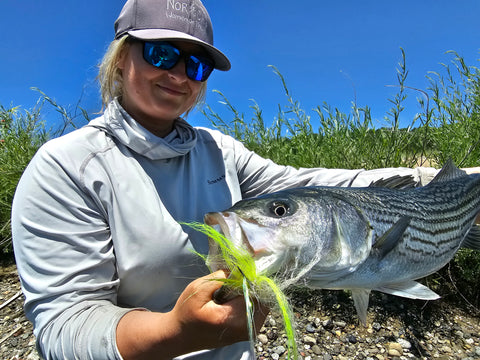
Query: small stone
<point x="352" y="339"/>
<point x="272" y="335"/>
<point x="271" y="322"/>
<point x="275" y="356"/>
<point x="394" y="352"/>
<point x="446" y="349"/>
<point x="340" y="324"/>
<point x="310" y="328"/>
<point x="308" y="340"/>
<point x="395" y="348"/>
<point x="477" y="351"/>
<point x="262" y="338"/>
<point x="327" y="324"/>
<point x="279" y="350"/>
<point x="405" y="344"/>
<point x="316" y="350"/>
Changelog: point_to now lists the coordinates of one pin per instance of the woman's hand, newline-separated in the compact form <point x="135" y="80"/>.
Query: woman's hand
<point x="195" y="323"/>
<point x="209" y="324"/>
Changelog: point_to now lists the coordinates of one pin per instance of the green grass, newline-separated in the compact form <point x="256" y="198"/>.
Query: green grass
<point x="447" y="126"/>
<point x="22" y="132"/>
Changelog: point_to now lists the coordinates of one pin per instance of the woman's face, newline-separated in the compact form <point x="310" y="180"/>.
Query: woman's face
<point x="156" y="97"/>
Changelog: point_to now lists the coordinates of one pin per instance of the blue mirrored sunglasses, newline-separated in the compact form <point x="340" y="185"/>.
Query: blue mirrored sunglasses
<point x="165" y="56"/>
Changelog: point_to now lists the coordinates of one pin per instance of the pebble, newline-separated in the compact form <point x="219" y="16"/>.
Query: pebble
<point x="340" y="324"/>
<point x="316" y="350"/>
<point x="405" y="344"/>
<point x="263" y="338"/>
<point x="310" y="328"/>
<point x="352" y="339"/>
<point x="271" y="322"/>
<point x="279" y="350"/>
<point x="395" y="349"/>
<point x="309" y="340"/>
<point x="326" y="331"/>
<point x="394" y="352"/>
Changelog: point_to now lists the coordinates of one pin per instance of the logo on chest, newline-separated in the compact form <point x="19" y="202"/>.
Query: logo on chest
<point x="217" y="180"/>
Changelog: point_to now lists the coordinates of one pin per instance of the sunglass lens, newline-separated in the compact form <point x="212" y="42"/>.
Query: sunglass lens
<point x="199" y="68"/>
<point x="161" y="55"/>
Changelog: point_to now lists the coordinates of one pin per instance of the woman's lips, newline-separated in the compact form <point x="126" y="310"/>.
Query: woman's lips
<point x="171" y="90"/>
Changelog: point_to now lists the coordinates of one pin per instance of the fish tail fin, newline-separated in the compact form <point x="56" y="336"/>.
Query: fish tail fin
<point x="360" y="300"/>
<point x="472" y="240"/>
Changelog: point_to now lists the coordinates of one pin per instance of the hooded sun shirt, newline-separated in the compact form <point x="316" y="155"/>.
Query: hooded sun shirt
<point x="96" y="232"/>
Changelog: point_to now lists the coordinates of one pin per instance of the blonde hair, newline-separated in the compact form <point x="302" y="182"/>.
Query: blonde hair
<point x="110" y="76"/>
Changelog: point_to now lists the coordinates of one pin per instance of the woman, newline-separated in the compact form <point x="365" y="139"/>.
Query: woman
<point x="107" y="271"/>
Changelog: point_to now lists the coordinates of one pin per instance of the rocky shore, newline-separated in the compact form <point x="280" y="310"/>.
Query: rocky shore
<point x="326" y="324"/>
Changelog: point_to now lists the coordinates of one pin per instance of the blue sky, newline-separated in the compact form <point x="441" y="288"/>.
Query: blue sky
<point x="328" y="51"/>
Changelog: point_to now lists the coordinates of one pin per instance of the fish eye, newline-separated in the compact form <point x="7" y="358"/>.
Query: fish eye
<point x="279" y="208"/>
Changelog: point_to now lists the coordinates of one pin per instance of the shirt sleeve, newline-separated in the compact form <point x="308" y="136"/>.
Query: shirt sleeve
<point x="66" y="263"/>
<point x="259" y="176"/>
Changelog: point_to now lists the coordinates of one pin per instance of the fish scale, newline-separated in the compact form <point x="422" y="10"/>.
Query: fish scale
<point x="360" y="239"/>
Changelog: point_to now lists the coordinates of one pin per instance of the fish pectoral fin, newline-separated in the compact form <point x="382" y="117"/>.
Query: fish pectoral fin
<point x="409" y="289"/>
<point x="360" y="300"/>
<point x="385" y="243"/>
<point x="472" y="240"/>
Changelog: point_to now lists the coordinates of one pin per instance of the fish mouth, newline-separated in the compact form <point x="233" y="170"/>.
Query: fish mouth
<point x="229" y="225"/>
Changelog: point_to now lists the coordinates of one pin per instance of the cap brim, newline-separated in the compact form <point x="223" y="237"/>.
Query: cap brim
<point x="221" y="61"/>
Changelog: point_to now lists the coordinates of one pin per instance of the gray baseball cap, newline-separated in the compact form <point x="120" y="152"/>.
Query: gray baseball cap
<point x="186" y="20"/>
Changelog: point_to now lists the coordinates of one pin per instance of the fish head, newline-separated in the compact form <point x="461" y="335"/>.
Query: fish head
<point x="292" y="230"/>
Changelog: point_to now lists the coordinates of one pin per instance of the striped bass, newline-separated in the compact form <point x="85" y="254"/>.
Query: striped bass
<point x="358" y="239"/>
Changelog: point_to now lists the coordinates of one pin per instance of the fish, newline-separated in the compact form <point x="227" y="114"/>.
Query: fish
<point x="361" y="239"/>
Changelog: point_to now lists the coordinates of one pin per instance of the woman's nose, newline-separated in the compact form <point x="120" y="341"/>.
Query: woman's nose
<point x="179" y="71"/>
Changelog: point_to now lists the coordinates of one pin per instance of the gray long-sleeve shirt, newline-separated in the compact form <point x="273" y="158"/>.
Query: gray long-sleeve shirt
<point x="95" y="224"/>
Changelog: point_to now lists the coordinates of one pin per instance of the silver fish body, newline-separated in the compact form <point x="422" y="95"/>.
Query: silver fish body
<point x="360" y="239"/>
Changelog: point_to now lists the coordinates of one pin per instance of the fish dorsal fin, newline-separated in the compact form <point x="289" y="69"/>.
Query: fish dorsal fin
<point x="360" y="300"/>
<point x="409" y="289"/>
<point x="395" y="182"/>
<point x="448" y="172"/>
<point x="385" y="243"/>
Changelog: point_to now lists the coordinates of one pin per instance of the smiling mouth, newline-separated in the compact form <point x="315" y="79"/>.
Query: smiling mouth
<point x="171" y="91"/>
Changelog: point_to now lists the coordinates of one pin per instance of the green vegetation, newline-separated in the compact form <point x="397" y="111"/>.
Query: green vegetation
<point x="447" y="126"/>
<point x="20" y="136"/>
<point x="22" y="132"/>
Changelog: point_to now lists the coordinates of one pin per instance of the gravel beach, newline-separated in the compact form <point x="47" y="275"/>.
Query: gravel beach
<point x="326" y="323"/>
